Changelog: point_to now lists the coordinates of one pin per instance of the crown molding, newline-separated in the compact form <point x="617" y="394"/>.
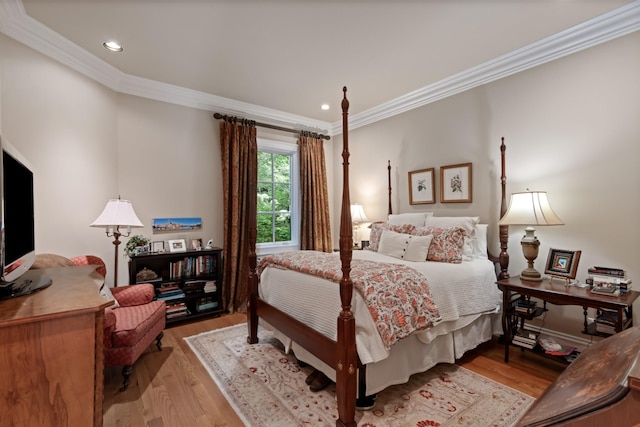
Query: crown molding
<point x="15" y="23"/>
<point x="606" y="27"/>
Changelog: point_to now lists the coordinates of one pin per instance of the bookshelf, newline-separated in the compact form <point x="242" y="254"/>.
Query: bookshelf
<point x="188" y="282"/>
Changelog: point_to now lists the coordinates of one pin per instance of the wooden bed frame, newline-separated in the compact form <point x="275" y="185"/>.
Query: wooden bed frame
<point x="341" y="355"/>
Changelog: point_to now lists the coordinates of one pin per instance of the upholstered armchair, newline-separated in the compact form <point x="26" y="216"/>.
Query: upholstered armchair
<point x="131" y="324"/>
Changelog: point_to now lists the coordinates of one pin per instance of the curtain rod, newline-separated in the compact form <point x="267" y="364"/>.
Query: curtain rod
<point x="266" y="125"/>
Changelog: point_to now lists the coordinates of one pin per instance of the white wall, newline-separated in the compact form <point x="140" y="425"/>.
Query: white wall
<point x="571" y="128"/>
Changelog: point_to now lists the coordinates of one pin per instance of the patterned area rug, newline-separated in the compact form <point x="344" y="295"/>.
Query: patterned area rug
<point x="266" y="388"/>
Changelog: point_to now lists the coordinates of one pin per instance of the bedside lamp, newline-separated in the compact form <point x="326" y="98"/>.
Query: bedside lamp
<point x="118" y="213"/>
<point x="357" y="216"/>
<point x="530" y="208"/>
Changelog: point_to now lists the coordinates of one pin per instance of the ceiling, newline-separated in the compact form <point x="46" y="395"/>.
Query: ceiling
<point x="282" y="59"/>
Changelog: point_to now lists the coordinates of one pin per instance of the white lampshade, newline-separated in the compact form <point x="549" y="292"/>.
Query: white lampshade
<point x="357" y="214"/>
<point x="118" y="213"/>
<point x="530" y="208"/>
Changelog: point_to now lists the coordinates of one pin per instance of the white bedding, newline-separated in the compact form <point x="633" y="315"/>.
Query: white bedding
<point x="462" y="292"/>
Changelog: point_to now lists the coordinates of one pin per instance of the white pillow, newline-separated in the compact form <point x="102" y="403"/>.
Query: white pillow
<point x="480" y="241"/>
<point x="418" y="248"/>
<point x="415" y="219"/>
<point x="404" y="246"/>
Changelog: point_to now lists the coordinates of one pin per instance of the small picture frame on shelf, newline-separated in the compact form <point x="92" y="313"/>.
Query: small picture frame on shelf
<point x="196" y="244"/>
<point x="177" y="245"/>
<point x="562" y="263"/>
<point x="456" y="183"/>
<point x="157" y="247"/>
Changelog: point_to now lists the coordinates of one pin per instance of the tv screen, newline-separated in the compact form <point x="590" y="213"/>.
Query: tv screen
<point x="17" y="226"/>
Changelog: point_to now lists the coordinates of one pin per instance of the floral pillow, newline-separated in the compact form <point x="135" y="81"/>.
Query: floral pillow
<point x="447" y="243"/>
<point x="378" y="227"/>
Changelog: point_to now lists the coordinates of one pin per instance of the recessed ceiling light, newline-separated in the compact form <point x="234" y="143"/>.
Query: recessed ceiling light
<point x="325" y="106"/>
<point x="112" y="46"/>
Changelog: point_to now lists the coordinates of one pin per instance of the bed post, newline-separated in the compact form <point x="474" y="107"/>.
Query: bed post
<point x="504" y="229"/>
<point x="389" y="210"/>
<point x="252" y="280"/>
<point x="347" y="358"/>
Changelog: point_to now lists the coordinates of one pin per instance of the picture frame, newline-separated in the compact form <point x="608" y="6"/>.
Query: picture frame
<point x="157" y="246"/>
<point x="562" y="263"/>
<point x="422" y="186"/>
<point x="177" y="245"/>
<point x="456" y="184"/>
<point x="196" y="244"/>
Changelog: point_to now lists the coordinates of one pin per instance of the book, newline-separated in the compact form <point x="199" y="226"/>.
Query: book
<point x="607" y="271"/>
<point x="601" y="290"/>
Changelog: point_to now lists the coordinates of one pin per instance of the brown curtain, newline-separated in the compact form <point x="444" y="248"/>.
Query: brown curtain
<point x="239" y="165"/>
<point x="315" y="226"/>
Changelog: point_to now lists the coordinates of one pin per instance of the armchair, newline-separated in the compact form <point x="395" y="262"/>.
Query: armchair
<point x="131" y="324"/>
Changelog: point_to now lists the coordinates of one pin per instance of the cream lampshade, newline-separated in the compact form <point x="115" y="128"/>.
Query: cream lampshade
<point x="357" y="216"/>
<point x="530" y="208"/>
<point x="118" y="213"/>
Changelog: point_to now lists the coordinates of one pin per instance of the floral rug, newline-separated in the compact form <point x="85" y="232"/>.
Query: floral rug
<point x="266" y="388"/>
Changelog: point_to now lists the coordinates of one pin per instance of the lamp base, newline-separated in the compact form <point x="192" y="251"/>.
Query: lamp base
<point x="531" y="274"/>
<point x="530" y="245"/>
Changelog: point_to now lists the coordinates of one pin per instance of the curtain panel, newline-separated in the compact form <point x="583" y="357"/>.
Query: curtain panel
<point x="239" y="147"/>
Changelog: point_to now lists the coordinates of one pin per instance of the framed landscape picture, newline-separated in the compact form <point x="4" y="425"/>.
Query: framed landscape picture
<point x="562" y="263"/>
<point x="455" y="183"/>
<point x="422" y="186"/>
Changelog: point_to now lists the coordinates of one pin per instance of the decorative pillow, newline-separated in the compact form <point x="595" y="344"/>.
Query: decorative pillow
<point x="469" y="223"/>
<point x="404" y="246"/>
<point x="415" y="219"/>
<point x="378" y="227"/>
<point x="447" y="243"/>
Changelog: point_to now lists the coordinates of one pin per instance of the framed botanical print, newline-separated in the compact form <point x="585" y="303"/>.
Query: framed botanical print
<point x="455" y="183"/>
<point x="422" y="186"/>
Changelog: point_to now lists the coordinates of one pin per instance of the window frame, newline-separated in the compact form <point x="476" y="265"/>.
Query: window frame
<point x="291" y="149"/>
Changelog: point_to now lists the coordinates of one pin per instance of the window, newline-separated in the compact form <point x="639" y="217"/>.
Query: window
<point x="277" y="204"/>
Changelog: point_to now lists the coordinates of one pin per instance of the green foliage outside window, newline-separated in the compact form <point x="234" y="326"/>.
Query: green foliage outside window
<point x="274" y="197"/>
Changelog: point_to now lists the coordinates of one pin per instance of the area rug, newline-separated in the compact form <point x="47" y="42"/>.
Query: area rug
<point x="266" y="388"/>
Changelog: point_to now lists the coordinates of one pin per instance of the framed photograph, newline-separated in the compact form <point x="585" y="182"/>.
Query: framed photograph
<point x="177" y="245"/>
<point x="196" y="244"/>
<point x="455" y="183"/>
<point x="562" y="263"/>
<point x="422" y="187"/>
<point x="157" y="247"/>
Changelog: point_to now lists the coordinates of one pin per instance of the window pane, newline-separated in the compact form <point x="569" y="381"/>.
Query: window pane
<point x="265" y="198"/>
<point x="264" y="166"/>
<point x="282" y="197"/>
<point x="281" y="168"/>
<point x="264" y="233"/>
<point x="283" y="227"/>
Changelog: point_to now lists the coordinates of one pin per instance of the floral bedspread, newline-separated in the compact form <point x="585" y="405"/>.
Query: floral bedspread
<point x="398" y="297"/>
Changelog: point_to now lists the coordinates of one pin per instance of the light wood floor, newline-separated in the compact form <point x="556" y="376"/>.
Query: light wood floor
<point x="170" y="388"/>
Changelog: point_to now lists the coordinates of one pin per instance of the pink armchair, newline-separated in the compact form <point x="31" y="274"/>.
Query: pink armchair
<point x="131" y="324"/>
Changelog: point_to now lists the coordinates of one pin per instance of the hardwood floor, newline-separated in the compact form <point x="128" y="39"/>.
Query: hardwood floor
<point x="171" y="388"/>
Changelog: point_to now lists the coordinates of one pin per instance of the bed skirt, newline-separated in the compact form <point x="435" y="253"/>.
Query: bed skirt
<point x="411" y="355"/>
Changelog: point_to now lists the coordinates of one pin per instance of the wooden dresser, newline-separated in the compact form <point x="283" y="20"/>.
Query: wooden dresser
<point x="51" y="352"/>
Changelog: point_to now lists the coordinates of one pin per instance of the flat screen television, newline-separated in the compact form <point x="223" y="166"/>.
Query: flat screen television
<point x="17" y="226"/>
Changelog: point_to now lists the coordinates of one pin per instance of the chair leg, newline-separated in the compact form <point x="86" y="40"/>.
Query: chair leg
<point x="159" y="340"/>
<point x="126" y="372"/>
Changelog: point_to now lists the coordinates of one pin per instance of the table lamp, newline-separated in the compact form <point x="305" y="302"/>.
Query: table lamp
<point x="118" y="213"/>
<point x="357" y="216"/>
<point x="530" y="208"/>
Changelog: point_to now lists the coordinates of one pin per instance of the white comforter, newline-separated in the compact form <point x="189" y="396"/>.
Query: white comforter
<point x="460" y="291"/>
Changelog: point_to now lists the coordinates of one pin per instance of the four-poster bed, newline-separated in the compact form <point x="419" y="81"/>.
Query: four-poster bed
<point x="371" y="365"/>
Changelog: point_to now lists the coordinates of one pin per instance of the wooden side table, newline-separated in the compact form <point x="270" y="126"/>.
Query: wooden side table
<point x="555" y="292"/>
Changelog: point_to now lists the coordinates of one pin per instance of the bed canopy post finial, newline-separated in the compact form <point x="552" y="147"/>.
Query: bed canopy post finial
<point x="347" y="357"/>
<point x="389" y="210"/>
<point x="504" y="229"/>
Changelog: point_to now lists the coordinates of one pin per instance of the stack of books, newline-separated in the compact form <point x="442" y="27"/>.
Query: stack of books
<point x="193" y="287"/>
<point x="525" y="338"/>
<point x="526" y="306"/>
<point x="169" y="292"/>
<point x="176" y="311"/>
<point x="606" y="321"/>
<point x="210" y="286"/>
<point x="608" y="281"/>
